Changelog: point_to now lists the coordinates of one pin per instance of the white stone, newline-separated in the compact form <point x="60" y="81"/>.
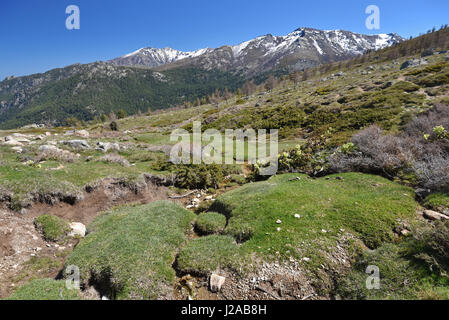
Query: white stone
<point x="216" y="282"/>
<point x="78" y="229"/>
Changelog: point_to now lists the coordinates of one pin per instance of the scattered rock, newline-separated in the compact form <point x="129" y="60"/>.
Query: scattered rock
<point x="413" y="63"/>
<point x="433" y="215"/>
<point x="297" y="216"/>
<point x="82" y="133"/>
<point x="106" y="146"/>
<point x="278" y="221"/>
<point x="216" y="282"/>
<point x="78" y="229"/>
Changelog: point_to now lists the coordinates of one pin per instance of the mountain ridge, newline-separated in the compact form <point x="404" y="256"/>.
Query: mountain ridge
<point x="303" y="48"/>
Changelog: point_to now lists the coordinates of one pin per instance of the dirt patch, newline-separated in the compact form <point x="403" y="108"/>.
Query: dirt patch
<point x="20" y="242"/>
<point x="103" y="196"/>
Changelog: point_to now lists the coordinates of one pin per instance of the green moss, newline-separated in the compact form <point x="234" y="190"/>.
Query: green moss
<point x="129" y="251"/>
<point x="53" y="228"/>
<point x="206" y="254"/>
<point x="210" y="222"/>
<point x="45" y="289"/>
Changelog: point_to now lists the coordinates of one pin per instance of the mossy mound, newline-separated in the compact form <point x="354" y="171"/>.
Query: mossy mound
<point x="210" y="222"/>
<point x="53" y="228"/>
<point x="129" y="251"/>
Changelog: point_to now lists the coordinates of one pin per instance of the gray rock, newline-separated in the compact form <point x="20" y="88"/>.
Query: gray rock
<point x="421" y="193"/>
<point x="77" y="144"/>
<point x="106" y="146"/>
<point x="413" y="63"/>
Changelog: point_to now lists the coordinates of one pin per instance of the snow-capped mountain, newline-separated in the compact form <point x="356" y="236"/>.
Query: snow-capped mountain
<point x="153" y="57"/>
<point x="300" y="49"/>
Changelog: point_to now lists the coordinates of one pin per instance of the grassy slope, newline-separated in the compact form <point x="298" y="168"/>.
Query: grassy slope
<point x="364" y="207"/>
<point x="44" y="289"/>
<point x="131" y="249"/>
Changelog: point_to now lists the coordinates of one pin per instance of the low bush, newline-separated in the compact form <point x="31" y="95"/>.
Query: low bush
<point x="419" y="154"/>
<point x="114" y="158"/>
<point x="56" y="154"/>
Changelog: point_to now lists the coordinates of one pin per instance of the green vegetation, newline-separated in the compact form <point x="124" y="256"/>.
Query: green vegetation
<point x="437" y="201"/>
<point x="129" y="250"/>
<point x="45" y="289"/>
<point x="413" y="269"/>
<point x="68" y="92"/>
<point x="294" y="216"/>
<point x="53" y="228"/>
<point x="204" y="255"/>
<point x="210" y="222"/>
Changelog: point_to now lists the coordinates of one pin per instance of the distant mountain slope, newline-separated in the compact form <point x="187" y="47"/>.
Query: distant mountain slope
<point x="86" y="91"/>
<point x="162" y="78"/>
<point x="300" y="49"/>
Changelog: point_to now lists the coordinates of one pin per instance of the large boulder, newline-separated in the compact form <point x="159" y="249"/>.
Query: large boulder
<point x="413" y="63"/>
<point x="77" y="144"/>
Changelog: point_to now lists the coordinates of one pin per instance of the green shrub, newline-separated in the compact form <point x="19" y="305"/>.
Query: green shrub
<point x="206" y="254"/>
<point x="45" y="289"/>
<point x="238" y="179"/>
<point x="211" y="222"/>
<point x="113" y="126"/>
<point x="434" y="80"/>
<point x="405" y="86"/>
<point x="53" y="228"/>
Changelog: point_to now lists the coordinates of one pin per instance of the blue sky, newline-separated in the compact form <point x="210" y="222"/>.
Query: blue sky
<point x="33" y="36"/>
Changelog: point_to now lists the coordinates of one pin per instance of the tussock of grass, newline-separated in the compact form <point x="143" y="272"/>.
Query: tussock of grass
<point x="45" y="289"/>
<point x="53" y="228"/>
<point x="204" y="255"/>
<point x="210" y="222"/>
<point x="129" y="250"/>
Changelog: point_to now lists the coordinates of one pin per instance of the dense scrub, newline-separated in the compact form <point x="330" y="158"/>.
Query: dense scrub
<point x="419" y="154"/>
